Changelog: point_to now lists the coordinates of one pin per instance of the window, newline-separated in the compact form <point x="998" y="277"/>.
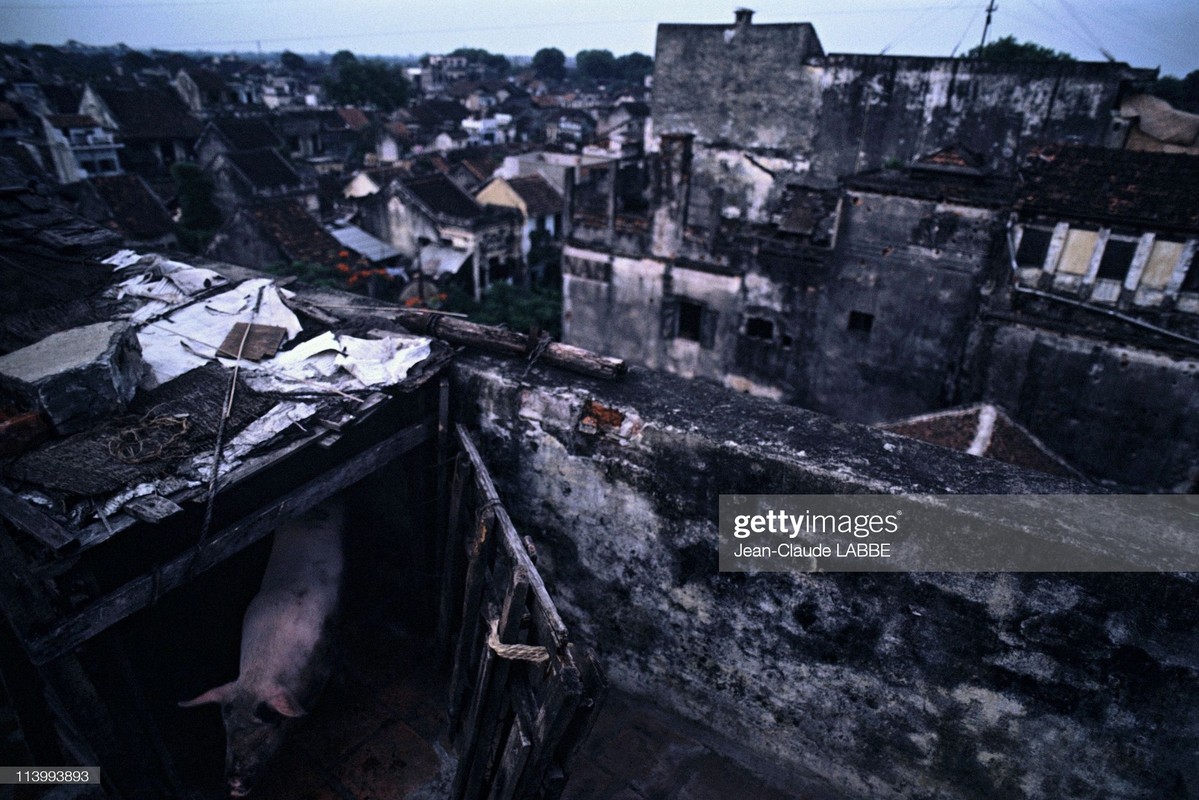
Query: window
<point x="1191" y="282"/>
<point x="759" y="328"/>
<point x="687" y="319"/>
<point x="860" y="322"/>
<point x="691" y="317"/>
<point x="1034" y="246"/>
<point x="1117" y="258"/>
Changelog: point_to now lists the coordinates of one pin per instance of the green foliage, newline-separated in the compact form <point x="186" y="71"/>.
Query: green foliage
<point x="492" y="62"/>
<point x="366" y="82"/>
<point x="518" y="308"/>
<point x="1182" y="93"/>
<point x="199" y="217"/>
<point x="1008" y="49"/>
<point x="292" y="62"/>
<point x="633" y="67"/>
<point x="550" y="64"/>
<point x="596" y="65"/>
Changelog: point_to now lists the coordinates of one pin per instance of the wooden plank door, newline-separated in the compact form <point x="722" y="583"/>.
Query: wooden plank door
<point x="523" y="695"/>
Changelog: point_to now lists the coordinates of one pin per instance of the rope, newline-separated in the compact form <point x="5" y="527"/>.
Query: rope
<point x="149" y="439"/>
<point x="543" y="343"/>
<point x="514" y="652"/>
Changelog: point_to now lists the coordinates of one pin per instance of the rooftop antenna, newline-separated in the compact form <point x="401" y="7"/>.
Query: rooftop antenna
<point x="991" y="9"/>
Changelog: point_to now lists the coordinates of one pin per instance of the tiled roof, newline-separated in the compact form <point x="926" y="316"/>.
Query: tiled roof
<point x="941" y="185"/>
<point x="433" y="113"/>
<point x="296" y="232"/>
<point x="145" y="113"/>
<point x="247" y="134"/>
<point x="60" y="99"/>
<point x="953" y="157"/>
<point x="442" y="196"/>
<point x="71" y="121"/>
<point x="137" y="213"/>
<point x="265" y="168"/>
<point x="984" y="430"/>
<point x="207" y="81"/>
<point x="1121" y="187"/>
<point x="540" y="198"/>
<point x="481" y="167"/>
<point x="354" y="118"/>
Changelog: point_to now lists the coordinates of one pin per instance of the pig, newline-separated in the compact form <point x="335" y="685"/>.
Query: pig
<point x="286" y="644"/>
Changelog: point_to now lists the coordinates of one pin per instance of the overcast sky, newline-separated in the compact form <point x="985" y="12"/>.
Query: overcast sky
<point x="1146" y="33"/>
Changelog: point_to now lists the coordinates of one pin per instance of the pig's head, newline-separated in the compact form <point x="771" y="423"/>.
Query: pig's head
<point x="254" y="727"/>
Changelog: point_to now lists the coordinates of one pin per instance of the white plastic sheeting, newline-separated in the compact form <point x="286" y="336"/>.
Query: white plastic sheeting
<point x="163" y="283"/>
<point x="337" y="363"/>
<point x="189" y="337"/>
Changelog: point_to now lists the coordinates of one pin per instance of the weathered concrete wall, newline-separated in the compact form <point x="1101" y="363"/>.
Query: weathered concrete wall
<point x="1125" y="414"/>
<point x="867" y="686"/>
<point x="768" y="93"/>
<point x="915" y="266"/>
<point x="746" y="84"/>
<point x="876" y="108"/>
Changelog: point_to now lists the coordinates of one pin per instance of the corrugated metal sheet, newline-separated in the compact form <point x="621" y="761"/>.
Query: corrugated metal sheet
<point x="354" y="238"/>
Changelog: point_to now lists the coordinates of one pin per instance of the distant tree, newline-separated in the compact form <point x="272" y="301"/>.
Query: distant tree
<point x="292" y="62"/>
<point x="492" y="62"/>
<point x="1181" y="93"/>
<point x="1008" y="49"/>
<point x="596" y="65"/>
<point x="634" y="67"/>
<point x="199" y="217"/>
<point x="341" y="58"/>
<point x="550" y="64"/>
<point x="366" y="82"/>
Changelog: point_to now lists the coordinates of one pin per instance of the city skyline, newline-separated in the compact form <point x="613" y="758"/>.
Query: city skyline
<point x="1144" y="35"/>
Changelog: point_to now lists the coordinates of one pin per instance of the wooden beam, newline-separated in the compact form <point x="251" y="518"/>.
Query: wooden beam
<point x="489" y="497"/>
<point x="140" y="592"/>
<point x="512" y="343"/>
<point x="32" y="521"/>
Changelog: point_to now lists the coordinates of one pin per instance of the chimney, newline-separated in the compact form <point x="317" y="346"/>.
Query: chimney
<point x="744" y="16"/>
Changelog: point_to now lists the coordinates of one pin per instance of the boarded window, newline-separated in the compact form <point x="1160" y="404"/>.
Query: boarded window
<point x="759" y="328"/>
<point x="1076" y="255"/>
<point x="1034" y="246"/>
<point x="860" y="321"/>
<point x="1162" y="260"/>
<point x="1117" y="258"/>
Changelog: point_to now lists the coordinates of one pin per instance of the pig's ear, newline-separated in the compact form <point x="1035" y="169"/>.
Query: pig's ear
<point x="285" y="703"/>
<point x="220" y="694"/>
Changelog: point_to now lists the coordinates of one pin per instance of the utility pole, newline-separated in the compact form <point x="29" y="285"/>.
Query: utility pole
<point x="991" y="9"/>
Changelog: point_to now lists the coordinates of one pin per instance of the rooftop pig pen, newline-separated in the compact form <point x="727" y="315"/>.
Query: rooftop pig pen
<point x="127" y="561"/>
<point x="161" y="419"/>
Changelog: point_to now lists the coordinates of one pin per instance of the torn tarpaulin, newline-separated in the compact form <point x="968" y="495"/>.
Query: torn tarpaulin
<point x="337" y="363"/>
<point x="189" y="337"/>
<point x="162" y="283"/>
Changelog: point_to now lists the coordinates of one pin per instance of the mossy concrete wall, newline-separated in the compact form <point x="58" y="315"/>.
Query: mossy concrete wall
<point x="861" y="686"/>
